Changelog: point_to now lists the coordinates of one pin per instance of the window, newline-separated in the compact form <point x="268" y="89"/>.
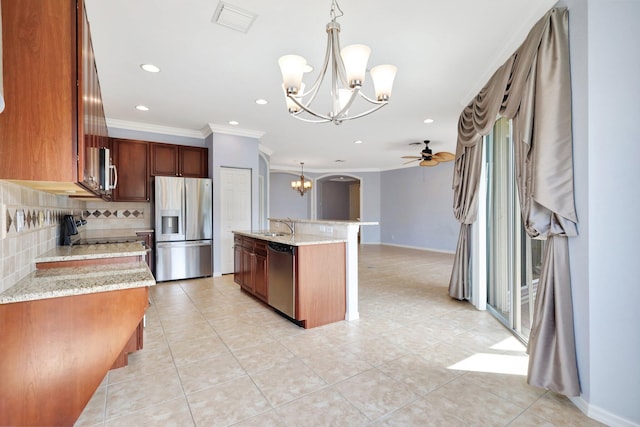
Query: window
<point x="513" y="259"/>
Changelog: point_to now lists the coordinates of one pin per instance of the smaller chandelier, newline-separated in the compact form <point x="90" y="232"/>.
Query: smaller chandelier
<point x="302" y="185"/>
<point x="348" y="67"/>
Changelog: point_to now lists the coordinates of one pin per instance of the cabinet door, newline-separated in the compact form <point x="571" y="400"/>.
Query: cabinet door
<point x="260" y="283"/>
<point x="131" y="158"/>
<point x="247" y="269"/>
<point x="237" y="260"/>
<point x="164" y="160"/>
<point x="38" y="138"/>
<point x="193" y="162"/>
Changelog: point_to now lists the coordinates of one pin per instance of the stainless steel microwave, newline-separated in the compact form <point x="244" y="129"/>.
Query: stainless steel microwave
<point x="100" y="175"/>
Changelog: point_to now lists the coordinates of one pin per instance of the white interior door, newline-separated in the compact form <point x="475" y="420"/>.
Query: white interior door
<point x="236" y="211"/>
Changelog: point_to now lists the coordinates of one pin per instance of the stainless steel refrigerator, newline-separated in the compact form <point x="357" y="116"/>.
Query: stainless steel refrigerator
<point x="183" y="228"/>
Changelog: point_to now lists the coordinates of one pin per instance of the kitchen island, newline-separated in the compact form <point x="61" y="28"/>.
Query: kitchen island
<point x="65" y="325"/>
<point x="328" y="247"/>
<point x="342" y="229"/>
<point x="300" y="275"/>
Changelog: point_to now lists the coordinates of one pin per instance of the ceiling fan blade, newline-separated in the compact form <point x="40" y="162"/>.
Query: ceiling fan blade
<point x="444" y="156"/>
<point x="411" y="157"/>
<point x="411" y="161"/>
<point x="431" y="162"/>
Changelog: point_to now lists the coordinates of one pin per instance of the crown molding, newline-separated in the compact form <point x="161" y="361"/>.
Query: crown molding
<point x="264" y="149"/>
<point x="147" y="127"/>
<point x="231" y="130"/>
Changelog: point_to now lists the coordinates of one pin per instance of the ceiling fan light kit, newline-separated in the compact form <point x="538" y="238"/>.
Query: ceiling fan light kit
<point x="427" y="158"/>
<point x="348" y="70"/>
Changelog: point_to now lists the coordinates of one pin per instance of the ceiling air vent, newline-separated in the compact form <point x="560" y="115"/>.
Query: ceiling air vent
<point x="233" y="17"/>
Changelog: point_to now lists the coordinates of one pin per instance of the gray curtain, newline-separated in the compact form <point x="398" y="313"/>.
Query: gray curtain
<point x="533" y="89"/>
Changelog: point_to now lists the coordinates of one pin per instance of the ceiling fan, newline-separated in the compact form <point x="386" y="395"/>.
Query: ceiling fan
<point x="427" y="158"/>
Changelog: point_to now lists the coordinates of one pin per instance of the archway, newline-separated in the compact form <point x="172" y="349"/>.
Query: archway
<point x="338" y="197"/>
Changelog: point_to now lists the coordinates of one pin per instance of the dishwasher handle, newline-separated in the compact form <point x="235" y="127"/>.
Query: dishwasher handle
<point x="283" y="248"/>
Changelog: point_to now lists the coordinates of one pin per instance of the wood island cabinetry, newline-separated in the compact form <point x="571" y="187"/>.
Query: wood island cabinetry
<point x="252" y="272"/>
<point x="320" y="278"/>
<point x="53" y="110"/>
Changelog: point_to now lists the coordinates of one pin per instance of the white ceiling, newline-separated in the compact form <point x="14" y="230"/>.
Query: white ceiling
<point x="444" y="50"/>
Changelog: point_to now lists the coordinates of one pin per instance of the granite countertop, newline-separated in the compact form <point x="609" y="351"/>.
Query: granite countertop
<point x="114" y="232"/>
<point x="106" y="250"/>
<point x="295" y="240"/>
<point x="325" y="221"/>
<point x="68" y="281"/>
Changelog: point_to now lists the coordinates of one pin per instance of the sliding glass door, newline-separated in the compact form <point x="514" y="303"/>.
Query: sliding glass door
<point x="513" y="258"/>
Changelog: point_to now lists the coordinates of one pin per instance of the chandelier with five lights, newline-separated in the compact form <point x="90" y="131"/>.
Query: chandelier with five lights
<point x="348" y="67"/>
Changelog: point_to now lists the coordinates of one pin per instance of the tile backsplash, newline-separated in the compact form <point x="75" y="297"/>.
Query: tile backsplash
<point x="30" y="224"/>
<point x="102" y="215"/>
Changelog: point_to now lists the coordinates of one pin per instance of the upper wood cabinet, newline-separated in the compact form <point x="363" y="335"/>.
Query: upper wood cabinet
<point x="179" y="160"/>
<point x="53" y="103"/>
<point x="131" y="158"/>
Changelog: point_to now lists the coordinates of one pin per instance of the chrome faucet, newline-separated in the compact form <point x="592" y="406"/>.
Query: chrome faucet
<point x="289" y="223"/>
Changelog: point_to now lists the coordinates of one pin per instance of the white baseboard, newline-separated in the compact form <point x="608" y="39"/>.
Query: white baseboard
<point x="419" y="248"/>
<point x="601" y="415"/>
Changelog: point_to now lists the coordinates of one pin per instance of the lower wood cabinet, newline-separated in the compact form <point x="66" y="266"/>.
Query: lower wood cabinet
<point x="260" y="269"/>
<point x="251" y="266"/>
<point x="149" y="241"/>
<point x="57" y="351"/>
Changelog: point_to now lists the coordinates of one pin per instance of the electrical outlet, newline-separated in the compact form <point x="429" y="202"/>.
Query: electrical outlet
<point x="19" y="220"/>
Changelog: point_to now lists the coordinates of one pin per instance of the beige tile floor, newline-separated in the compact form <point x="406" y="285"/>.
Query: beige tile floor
<point x="214" y="356"/>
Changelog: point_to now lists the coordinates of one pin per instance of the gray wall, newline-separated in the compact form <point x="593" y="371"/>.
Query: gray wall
<point x="286" y="203"/>
<point x="605" y="64"/>
<point x="417" y="207"/>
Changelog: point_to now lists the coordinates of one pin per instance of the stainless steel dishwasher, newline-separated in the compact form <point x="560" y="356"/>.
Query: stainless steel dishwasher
<point x="282" y="289"/>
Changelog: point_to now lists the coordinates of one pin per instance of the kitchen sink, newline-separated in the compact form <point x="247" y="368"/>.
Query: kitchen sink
<point x="271" y="233"/>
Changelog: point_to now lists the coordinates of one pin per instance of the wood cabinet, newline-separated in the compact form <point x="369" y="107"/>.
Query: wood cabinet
<point x="260" y="269"/>
<point x="131" y="157"/>
<point x="238" y="272"/>
<point x="56" y="352"/>
<point x="320" y="278"/>
<point x="251" y="266"/>
<point x="179" y="160"/>
<point x="53" y="103"/>
<point x="149" y="241"/>
<point x="320" y="284"/>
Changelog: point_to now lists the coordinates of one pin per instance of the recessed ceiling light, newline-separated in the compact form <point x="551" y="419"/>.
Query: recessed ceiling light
<point x="234" y="123"/>
<point x="340" y="161"/>
<point x="142" y="108"/>
<point x="357" y="142"/>
<point x="428" y="121"/>
<point x="307" y="68"/>
<point x="261" y="101"/>
<point x="150" y="68"/>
